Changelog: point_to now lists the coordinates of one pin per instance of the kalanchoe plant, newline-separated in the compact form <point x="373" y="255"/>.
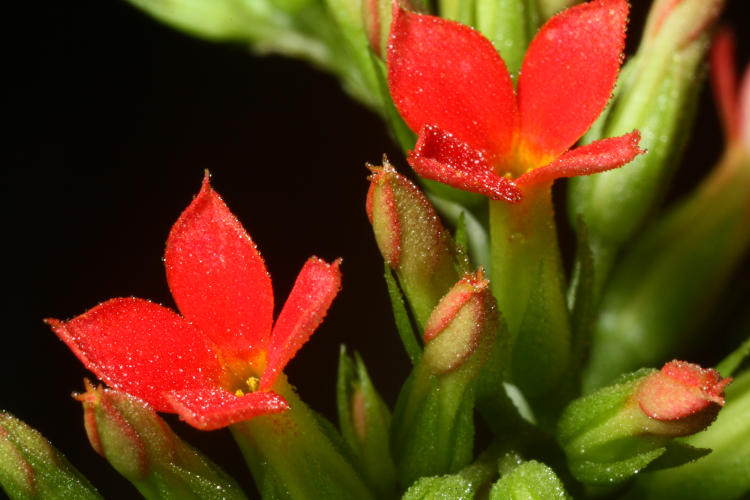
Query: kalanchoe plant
<point x="488" y="99"/>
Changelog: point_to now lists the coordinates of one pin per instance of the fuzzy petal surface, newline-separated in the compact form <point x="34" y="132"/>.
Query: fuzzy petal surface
<point x="141" y="348"/>
<point x="441" y="156"/>
<point x="446" y="74"/>
<point x="568" y="75"/>
<point x="218" y="278"/>
<point x="316" y="286"/>
<point x="210" y="409"/>
<point x="598" y="156"/>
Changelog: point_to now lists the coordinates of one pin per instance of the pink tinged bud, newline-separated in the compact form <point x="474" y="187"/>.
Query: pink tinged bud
<point x="682" y="20"/>
<point x="110" y="434"/>
<point x="680" y="391"/>
<point x="411" y="238"/>
<point x="464" y="319"/>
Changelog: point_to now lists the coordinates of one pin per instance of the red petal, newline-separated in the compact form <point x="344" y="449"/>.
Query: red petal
<point x="568" y="74"/>
<point x="441" y="157"/>
<point x="446" y="74"/>
<point x="211" y="409"/>
<point x="316" y="286"/>
<point x="598" y="156"/>
<point x="218" y="278"/>
<point x="141" y="348"/>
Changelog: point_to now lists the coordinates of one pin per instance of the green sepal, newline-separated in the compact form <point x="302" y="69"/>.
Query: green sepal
<point x="529" y="481"/>
<point x="720" y="475"/>
<point x="364" y="420"/>
<point x="606" y="436"/>
<point x="31" y="468"/>
<point x="675" y="454"/>
<point x="401" y="316"/>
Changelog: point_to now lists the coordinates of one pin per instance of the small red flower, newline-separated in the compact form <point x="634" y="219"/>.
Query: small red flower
<point x="475" y="132"/>
<point x="215" y="364"/>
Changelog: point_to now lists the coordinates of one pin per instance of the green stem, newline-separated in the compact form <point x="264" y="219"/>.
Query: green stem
<point x="529" y="284"/>
<point x="291" y="453"/>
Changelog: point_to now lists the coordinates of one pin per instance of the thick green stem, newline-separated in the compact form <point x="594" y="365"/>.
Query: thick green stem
<point x="528" y="282"/>
<point x="290" y="453"/>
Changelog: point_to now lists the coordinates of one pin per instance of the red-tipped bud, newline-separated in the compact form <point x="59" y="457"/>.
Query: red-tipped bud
<point x="411" y="238"/>
<point x="464" y="319"/>
<point x="681" y="21"/>
<point x="618" y="430"/>
<point x="683" y="391"/>
<point x="141" y="446"/>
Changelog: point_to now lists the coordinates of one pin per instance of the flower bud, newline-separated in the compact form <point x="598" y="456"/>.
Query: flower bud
<point x="657" y="94"/>
<point x="142" y="447"/>
<point x="433" y="425"/>
<point x="530" y="480"/>
<point x="411" y="239"/>
<point x="365" y="422"/>
<point x="30" y="467"/>
<point x="377" y="15"/>
<point x="464" y="319"/>
<point x="617" y="431"/>
<point x="720" y="474"/>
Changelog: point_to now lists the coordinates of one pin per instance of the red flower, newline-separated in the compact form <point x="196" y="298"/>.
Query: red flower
<point x="215" y="364"/>
<point x="475" y="133"/>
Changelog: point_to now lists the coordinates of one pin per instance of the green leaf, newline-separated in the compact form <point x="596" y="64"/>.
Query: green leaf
<point x="401" y="316"/>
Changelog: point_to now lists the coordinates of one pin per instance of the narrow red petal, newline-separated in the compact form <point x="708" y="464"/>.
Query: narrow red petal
<point x="568" y="75"/>
<point x="446" y="74"/>
<point x="441" y="157"/>
<point x="316" y="286"/>
<point x="598" y="156"/>
<point x="211" y="409"/>
<point x="141" y="348"/>
<point x="218" y="278"/>
<point x="724" y="82"/>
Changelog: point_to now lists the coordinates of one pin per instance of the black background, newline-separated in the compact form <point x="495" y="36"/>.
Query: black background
<point x="113" y="118"/>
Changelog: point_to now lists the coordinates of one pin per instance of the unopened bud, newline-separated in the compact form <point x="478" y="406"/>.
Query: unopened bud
<point x="683" y="395"/>
<point x="617" y="431"/>
<point x="31" y="468"/>
<point x="411" y="239"/>
<point x="142" y="447"/>
<point x="377" y="16"/>
<point x="530" y="480"/>
<point x="463" y="319"/>
<point x="433" y="425"/>
<point x="365" y="424"/>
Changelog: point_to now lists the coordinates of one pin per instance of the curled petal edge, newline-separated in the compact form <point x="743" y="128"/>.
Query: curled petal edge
<point x="599" y="156"/>
<point x="440" y="156"/>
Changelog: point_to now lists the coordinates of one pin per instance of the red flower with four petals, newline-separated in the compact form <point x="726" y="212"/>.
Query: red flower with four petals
<point x="475" y="132"/>
<point x="216" y="364"/>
